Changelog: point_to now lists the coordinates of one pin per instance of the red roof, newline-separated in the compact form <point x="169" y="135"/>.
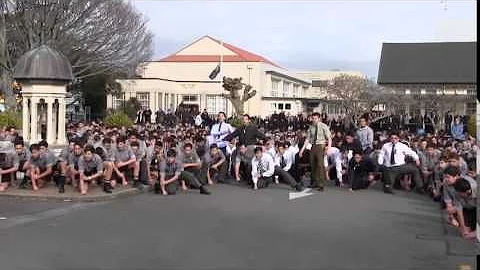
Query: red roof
<point x="241" y="56"/>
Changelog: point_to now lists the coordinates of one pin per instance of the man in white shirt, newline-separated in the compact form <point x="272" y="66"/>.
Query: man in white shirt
<point x="219" y="131"/>
<point x="283" y="164"/>
<point x="333" y="160"/>
<point x="263" y="169"/>
<point x="392" y="159"/>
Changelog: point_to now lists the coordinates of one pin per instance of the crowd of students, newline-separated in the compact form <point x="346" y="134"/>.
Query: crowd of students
<point x="188" y="156"/>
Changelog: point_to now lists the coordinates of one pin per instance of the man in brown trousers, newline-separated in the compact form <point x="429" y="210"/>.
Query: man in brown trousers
<point x="320" y="139"/>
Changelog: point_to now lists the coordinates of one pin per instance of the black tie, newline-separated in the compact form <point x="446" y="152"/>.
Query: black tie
<point x="219" y="129"/>
<point x="316" y="133"/>
<point x="392" y="155"/>
<point x="282" y="162"/>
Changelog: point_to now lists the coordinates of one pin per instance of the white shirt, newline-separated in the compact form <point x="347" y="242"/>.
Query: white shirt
<point x="401" y="150"/>
<point x="271" y="151"/>
<point x="198" y="120"/>
<point x="335" y="157"/>
<point x="218" y="132"/>
<point x="293" y="150"/>
<point x="268" y="165"/>
<point x="288" y="160"/>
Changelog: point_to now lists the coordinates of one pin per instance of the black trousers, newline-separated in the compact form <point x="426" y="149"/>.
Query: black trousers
<point x="189" y="179"/>
<point x="390" y="174"/>
<point x="285" y="176"/>
<point x="470" y="217"/>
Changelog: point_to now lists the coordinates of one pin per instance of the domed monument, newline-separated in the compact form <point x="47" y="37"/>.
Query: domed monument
<point x="44" y="74"/>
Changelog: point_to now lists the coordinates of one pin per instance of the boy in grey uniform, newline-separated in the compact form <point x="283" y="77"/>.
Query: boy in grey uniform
<point x="73" y="160"/>
<point x="8" y="164"/>
<point x="124" y="160"/>
<point x="40" y="169"/>
<point x="191" y="162"/>
<point x="90" y="168"/>
<point x="170" y="172"/>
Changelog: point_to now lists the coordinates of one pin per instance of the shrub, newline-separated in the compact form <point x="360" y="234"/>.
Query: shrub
<point x="10" y="119"/>
<point x="118" y="119"/>
<point x="236" y="122"/>
<point x="472" y="126"/>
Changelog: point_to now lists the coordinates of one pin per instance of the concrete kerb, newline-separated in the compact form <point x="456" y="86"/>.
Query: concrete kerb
<point x="117" y="194"/>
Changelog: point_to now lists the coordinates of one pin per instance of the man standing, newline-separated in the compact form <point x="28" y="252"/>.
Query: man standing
<point x="392" y="159"/>
<point x="365" y="136"/>
<point x="320" y="138"/>
<point x="219" y="131"/>
<point x="247" y="135"/>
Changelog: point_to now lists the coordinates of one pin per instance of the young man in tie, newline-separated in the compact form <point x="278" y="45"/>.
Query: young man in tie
<point x="392" y="159"/>
<point x="320" y="138"/>
<point x="283" y="163"/>
<point x="263" y="169"/>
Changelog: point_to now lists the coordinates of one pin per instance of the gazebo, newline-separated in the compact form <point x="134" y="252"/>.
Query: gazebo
<point x="44" y="74"/>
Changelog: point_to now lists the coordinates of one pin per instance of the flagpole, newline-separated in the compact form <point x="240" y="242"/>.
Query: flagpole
<point x="221" y="61"/>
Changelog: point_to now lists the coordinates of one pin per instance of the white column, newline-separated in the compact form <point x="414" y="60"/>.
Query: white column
<point x="34" y="120"/>
<point x="55" y="119"/>
<point x="61" y="121"/>
<point x="50" y="130"/>
<point x="25" y="120"/>
<point x="152" y="98"/>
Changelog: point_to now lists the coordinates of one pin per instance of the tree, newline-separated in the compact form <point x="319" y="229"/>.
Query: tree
<point x="97" y="36"/>
<point x="348" y="91"/>
<point x="233" y="87"/>
<point x="131" y="107"/>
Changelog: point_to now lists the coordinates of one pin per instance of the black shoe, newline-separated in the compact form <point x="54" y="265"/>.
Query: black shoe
<point x="321" y="189"/>
<point x="204" y="190"/>
<point x="156" y="188"/>
<point x="107" y="188"/>
<point x="387" y="189"/>
<point x="299" y="188"/>
<point x="420" y="190"/>
<point x="136" y="184"/>
<point x="61" y="189"/>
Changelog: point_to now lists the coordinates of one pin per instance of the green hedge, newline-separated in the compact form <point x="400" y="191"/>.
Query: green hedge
<point x="118" y="119"/>
<point x="236" y="122"/>
<point x="10" y="119"/>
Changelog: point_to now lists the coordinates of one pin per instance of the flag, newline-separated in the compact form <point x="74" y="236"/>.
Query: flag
<point x="214" y="72"/>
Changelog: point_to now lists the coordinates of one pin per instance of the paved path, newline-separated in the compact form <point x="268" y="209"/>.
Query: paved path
<point x="235" y="228"/>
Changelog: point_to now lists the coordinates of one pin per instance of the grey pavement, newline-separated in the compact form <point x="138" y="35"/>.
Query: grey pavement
<point x="234" y="228"/>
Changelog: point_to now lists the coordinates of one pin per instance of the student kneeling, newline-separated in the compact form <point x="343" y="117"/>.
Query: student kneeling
<point x="171" y="173"/>
<point x="283" y="163"/>
<point x="90" y="168"/>
<point x="263" y="169"/>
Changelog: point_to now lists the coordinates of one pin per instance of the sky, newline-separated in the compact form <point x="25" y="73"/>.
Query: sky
<point x="310" y="35"/>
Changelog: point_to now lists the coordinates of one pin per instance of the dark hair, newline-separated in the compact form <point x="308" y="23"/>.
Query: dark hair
<point x="258" y="149"/>
<point x="171" y="153"/>
<point x="213" y="145"/>
<point x="394" y="133"/>
<point x="316" y="114"/>
<point x="188" y="145"/>
<point x="121" y="139"/>
<point x="134" y="144"/>
<point x="462" y="185"/>
<point x="281" y="144"/>
<point x="221" y="112"/>
<point x="89" y="148"/>
<point x="159" y="144"/>
<point x="34" y="146"/>
<point x="19" y="141"/>
<point x="247" y="116"/>
<point x="107" y="140"/>
<point x="43" y="143"/>
<point x="452" y="171"/>
<point x="358" y="152"/>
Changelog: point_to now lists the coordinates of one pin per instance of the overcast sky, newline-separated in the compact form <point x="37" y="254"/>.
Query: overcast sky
<point x="310" y="35"/>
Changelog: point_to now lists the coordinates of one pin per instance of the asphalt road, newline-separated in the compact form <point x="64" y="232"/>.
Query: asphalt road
<point x="235" y="228"/>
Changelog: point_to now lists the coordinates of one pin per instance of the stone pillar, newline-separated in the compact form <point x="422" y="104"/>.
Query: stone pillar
<point x="50" y="130"/>
<point x="25" y="120"/>
<point x="61" y="122"/>
<point x="55" y="120"/>
<point x="34" y="120"/>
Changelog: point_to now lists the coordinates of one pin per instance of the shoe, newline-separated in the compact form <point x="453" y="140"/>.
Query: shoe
<point x="321" y="189"/>
<point x="388" y="190"/>
<point x="156" y="188"/>
<point x="107" y="187"/>
<point x="61" y="189"/>
<point x="204" y="190"/>
<point x="299" y="188"/>
<point x="420" y="191"/>
<point x="137" y="184"/>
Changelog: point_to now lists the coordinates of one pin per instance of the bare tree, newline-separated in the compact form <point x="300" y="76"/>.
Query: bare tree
<point x="233" y="86"/>
<point x="349" y="92"/>
<point x="97" y="36"/>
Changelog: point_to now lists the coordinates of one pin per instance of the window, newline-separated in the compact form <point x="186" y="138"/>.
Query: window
<point x="280" y="106"/>
<point x="117" y="102"/>
<point x="144" y="99"/>
<point x="288" y="106"/>
<point x="275" y="86"/>
<point x="295" y="90"/>
<point x="216" y="104"/>
<point x="471" y="108"/>
<point x="286" y="89"/>
<point x="189" y="98"/>
<point x="304" y="91"/>
<point x="423" y="91"/>
<point x="273" y="107"/>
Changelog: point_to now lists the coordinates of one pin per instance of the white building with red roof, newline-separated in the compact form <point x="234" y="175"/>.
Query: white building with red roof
<point x="183" y="78"/>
